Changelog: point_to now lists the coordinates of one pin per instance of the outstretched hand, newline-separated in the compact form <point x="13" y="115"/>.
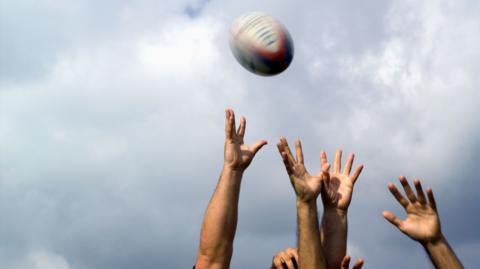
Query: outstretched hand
<point x="338" y="193"/>
<point x="422" y="223"/>
<point x="237" y="155"/>
<point x="307" y="187"/>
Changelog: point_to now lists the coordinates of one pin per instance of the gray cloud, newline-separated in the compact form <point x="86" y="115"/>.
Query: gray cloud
<point x="111" y="126"/>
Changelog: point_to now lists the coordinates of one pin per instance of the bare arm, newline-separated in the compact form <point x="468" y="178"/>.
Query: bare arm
<point x="310" y="251"/>
<point x="307" y="188"/>
<point x="441" y="254"/>
<point x="220" y="220"/>
<point x="333" y="236"/>
<point x="423" y="224"/>
<point x="336" y="199"/>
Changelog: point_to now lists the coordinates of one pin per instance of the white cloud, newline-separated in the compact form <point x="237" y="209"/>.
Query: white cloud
<point x="182" y="48"/>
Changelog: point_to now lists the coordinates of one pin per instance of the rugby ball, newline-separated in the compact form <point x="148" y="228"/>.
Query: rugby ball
<point x="261" y="44"/>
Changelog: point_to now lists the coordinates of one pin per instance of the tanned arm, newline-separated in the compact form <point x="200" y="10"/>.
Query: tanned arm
<point x="423" y="224"/>
<point x="336" y="198"/>
<point x="308" y="249"/>
<point x="220" y="220"/>
<point x="307" y="188"/>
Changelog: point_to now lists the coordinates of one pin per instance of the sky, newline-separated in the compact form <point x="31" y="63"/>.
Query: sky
<point x="112" y="117"/>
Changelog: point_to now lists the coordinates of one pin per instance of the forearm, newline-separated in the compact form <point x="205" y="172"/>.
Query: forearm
<point x="309" y="247"/>
<point x="334" y="236"/>
<point x="220" y="221"/>
<point x="442" y="255"/>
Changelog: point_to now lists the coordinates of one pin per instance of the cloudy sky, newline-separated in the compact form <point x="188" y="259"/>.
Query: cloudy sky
<point x="112" y="115"/>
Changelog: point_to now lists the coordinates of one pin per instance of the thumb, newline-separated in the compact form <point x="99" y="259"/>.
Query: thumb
<point x="257" y="146"/>
<point x="392" y="218"/>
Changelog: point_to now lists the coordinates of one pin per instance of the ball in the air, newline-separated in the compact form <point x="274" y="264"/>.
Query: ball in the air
<point x="261" y="44"/>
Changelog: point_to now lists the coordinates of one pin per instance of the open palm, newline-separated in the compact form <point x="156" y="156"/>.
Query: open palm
<point x="307" y="187"/>
<point x="338" y="193"/>
<point x="422" y="222"/>
<point x="238" y="155"/>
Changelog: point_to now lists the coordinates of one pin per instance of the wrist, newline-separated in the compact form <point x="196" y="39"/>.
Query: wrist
<point x="310" y="203"/>
<point x="434" y="242"/>
<point x="335" y="211"/>
<point x="232" y="176"/>
<point x="233" y="171"/>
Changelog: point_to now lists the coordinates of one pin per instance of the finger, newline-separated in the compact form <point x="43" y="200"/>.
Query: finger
<point x="280" y="146"/>
<point x="277" y="262"/>
<point x="229" y="124"/>
<point x="257" y="146"/>
<point x="411" y="196"/>
<point x="288" y="261"/>
<point x="345" y="262"/>
<point x="358" y="264"/>
<point x="337" y="163"/>
<point x="325" y="177"/>
<point x="325" y="169"/>
<point x="287" y="163"/>
<point x="241" y="128"/>
<point x="431" y="199"/>
<point x="232" y="116"/>
<point x="286" y="149"/>
<point x="398" y="195"/>
<point x="420" y="195"/>
<point x="293" y="253"/>
<point x="357" y="173"/>
<point x="282" y="258"/>
<point x="323" y="158"/>
<point x="348" y="164"/>
<point x="392" y="218"/>
<point x="299" y="151"/>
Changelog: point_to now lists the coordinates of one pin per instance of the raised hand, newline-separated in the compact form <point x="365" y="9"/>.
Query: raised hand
<point x="346" y="263"/>
<point x="422" y="223"/>
<point x="307" y="187"/>
<point x="338" y="193"/>
<point x="220" y="220"/>
<point x="287" y="258"/>
<point x="336" y="197"/>
<point x="237" y="155"/>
